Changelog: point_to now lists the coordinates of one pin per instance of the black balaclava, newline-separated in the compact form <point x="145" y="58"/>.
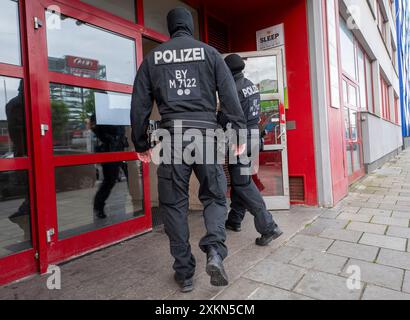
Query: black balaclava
<point x="235" y="63"/>
<point x="180" y="19"/>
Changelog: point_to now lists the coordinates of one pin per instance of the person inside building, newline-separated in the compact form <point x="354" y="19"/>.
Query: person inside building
<point x="244" y="193"/>
<point x="111" y="139"/>
<point x="17" y="131"/>
<point x="183" y="76"/>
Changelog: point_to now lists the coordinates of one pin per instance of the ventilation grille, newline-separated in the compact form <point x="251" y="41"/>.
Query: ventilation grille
<point x="297" y="189"/>
<point x="218" y="35"/>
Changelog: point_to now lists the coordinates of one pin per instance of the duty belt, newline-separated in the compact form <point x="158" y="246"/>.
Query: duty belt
<point x="188" y="124"/>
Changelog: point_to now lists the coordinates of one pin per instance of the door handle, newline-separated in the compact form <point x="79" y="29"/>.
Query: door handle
<point x="44" y="129"/>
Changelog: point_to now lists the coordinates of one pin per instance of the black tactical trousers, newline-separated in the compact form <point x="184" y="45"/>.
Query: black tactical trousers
<point x="246" y="196"/>
<point x="173" y="189"/>
<point x="110" y="172"/>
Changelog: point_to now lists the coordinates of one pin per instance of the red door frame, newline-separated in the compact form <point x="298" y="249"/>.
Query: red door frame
<point x="20" y="264"/>
<point x="41" y="163"/>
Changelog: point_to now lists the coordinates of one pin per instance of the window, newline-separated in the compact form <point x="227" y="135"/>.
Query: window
<point x="381" y="22"/>
<point x="80" y="49"/>
<point x="10" y="33"/>
<point x="396" y="110"/>
<point x="333" y="54"/>
<point x="122" y="8"/>
<point x="155" y="15"/>
<point x="347" y="50"/>
<point x="365" y="80"/>
<point x="369" y="85"/>
<point x="386" y="110"/>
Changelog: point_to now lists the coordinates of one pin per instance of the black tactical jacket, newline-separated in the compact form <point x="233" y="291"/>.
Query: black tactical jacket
<point x="183" y="75"/>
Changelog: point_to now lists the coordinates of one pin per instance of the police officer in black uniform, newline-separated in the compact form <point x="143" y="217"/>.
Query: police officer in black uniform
<point x="183" y="75"/>
<point x="244" y="193"/>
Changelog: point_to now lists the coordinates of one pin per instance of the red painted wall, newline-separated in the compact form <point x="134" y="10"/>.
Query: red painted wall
<point x="300" y="141"/>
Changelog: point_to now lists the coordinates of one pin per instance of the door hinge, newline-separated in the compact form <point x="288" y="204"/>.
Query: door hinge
<point x="37" y="23"/>
<point x="36" y="255"/>
<point x="50" y="233"/>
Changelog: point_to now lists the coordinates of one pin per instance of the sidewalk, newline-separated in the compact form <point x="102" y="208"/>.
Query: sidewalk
<point x="368" y="232"/>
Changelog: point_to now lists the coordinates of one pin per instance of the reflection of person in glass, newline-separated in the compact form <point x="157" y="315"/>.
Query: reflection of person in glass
<point x="17" y="132"/>
<point x="111" y="139"/>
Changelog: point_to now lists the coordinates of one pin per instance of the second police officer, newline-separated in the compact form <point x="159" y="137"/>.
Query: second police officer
<point x="183" y="75"/>
<point x="244" y="193"/>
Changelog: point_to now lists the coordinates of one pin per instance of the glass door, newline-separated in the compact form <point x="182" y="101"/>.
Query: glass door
<point x="96" y="189"/>
<point x="18" y="244"/>
<point x="265" y="69"/>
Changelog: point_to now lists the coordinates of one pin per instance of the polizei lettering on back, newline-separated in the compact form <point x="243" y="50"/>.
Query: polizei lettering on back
<point x="179" y="56"/>
<point x="250" y="91"/>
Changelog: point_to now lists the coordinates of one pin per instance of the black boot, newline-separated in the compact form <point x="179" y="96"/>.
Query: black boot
<point x="268" y="238"/>
<point x="186" y="285"/>
<point x="232" y="226"/>
<point x="100" y="214"/>
<point x="215" y="269"/>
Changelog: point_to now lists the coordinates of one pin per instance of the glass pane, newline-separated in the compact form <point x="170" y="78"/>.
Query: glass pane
<point x="353" y="125"/>
<point x="83" y="191"/>
<point x="122" y="8"/>
<point x="369" y="85"/>
<point x="15" y="231"/>
<point x="362" y="80"/>
<point x="12" y="118"/>
<point x="352" y="96"/>
<point x="263" y="72"/>
<point x="270" y="122"/>
<point x="349" y="159"/>
<point x="80" y="49"/>
<point x="347" y="124"/>
<point x="10" y="32"/>
<point x="155" y="15"/>
<point x="347" y="50"/>
<point x="356" y="157"/>
<point x="88" y="121"/>
<point x="345" y="93"/>
<point x="269" y="178"/>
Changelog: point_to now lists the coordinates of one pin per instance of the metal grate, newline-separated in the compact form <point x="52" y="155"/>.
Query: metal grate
<point x="218" y="35"/>
<point x="297" y="189"/>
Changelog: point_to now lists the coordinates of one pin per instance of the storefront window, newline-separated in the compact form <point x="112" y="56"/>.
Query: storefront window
<point x="83" y="50"/>
<point x="12" y="118"/>
<point x="122" y="8"/>
<point x="333" y="53"/>
<point x="89" y="121"/>
<point x="347" y="50"/>
<point x="155" y="15"/>
<point x="114" y="188"/>
<point x="10" y="51"/>
<point x="15" y="231"/>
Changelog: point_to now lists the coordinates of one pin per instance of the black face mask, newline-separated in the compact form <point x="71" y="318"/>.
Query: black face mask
<point x="180" y="19"/>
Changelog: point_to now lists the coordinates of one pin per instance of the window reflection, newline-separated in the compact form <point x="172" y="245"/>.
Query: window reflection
<point x="347" y="50"/>
<point x="80" y="49"/>
<point x="89" y="121"/>
<point x="15" y="232"/>
<point x="263" y="72"/>
<point x="84" y="192"/>
<point x="10" y="32"/>
<point x="12" y="118"/>
<point x="122" y="8"/>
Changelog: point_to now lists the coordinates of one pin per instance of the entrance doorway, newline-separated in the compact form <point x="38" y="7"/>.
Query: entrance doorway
<point x="265" y="69"/>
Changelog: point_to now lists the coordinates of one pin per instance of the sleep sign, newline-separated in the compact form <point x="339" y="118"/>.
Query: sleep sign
<point x="183" y="82"/>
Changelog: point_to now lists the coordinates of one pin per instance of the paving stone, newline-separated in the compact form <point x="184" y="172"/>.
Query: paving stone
<point x="285" y="254"/>
<point x="309" y="242"/>
<point x="353" y="250"/>
<point x="401" y="214"/>
<point x="394" y="258"/>
<point x="378" y="293"/>
<point x="325" y="286"/>
<point x="367" y="227"/>
<point x="245" y="289"/>
<point x="400" y="232"/>
<point x="319" y="261"/>
<point x="344" y="235"/>
<point x="375" y="212"/>
<point x="320" y="224"/>
<point x="276" y="274"/>
<point x="406" y="283"/>
<point x="377" y="274"/>
<point x="355" y="217"/>
<point x="398" y="222"/>
<point x="384" y="241"/>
